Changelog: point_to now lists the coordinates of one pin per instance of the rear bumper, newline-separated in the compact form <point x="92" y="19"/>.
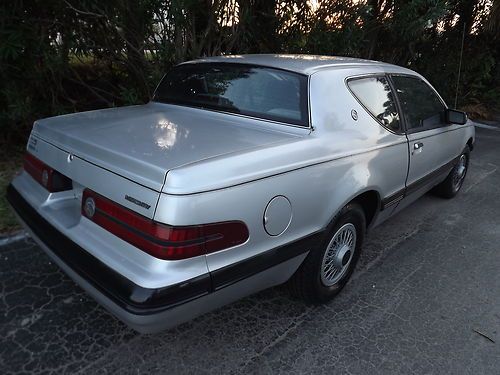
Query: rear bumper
<point x="150" y="310"/>
<point x="123" y="292"/>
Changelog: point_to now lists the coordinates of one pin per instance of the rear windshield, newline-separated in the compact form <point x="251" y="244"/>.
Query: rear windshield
<point x="256" y="91"/>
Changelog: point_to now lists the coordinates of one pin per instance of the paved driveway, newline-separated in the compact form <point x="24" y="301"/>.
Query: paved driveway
<point x="427" y="284"/>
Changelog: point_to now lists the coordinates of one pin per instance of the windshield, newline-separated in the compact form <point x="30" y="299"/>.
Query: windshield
<point x="256" y="91"/>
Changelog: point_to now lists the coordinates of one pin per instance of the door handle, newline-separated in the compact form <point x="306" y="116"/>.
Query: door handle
<point x="417" y="148"/>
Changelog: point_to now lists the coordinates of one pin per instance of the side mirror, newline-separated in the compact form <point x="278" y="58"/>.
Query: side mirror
<point x="452" y="116"/>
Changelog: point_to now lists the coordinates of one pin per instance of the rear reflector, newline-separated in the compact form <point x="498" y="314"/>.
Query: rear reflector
<point x="160" y="240"/>
<point x="46" y="176"/>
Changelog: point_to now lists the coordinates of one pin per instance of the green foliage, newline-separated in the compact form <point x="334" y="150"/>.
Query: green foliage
<point x="59" y="56"/>
<point x="129" y="96"/>
<point x="8" y="169"/>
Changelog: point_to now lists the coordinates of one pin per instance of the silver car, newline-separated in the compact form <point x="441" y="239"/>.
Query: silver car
<point x="243" y="172"/>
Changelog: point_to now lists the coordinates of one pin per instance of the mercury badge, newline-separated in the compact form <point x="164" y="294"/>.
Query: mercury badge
<point x="89" y="207"/>
<point x="354" y="115"/>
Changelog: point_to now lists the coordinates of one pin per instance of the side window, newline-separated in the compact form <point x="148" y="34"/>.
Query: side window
<point x="422" y="108"/>
<point x="376" y="96"/>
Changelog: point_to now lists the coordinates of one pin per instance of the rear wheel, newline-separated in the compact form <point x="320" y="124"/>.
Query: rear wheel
<point x="454" y="181"/>
<point x="329" y="266"/>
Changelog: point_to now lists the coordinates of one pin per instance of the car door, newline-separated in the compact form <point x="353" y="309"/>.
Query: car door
<point x="433" y="144"/>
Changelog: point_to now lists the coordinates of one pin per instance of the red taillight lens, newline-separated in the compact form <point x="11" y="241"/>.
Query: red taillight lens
<point x="160" y="240"/>
<point x="49" y="178"/>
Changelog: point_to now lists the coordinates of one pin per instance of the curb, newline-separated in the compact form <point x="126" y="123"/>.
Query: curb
<point x="485" y="126"/>
<point x="491" y="125"/>
<point x="16" y="236"/>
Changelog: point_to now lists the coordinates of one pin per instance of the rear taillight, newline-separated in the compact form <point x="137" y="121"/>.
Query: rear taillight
<point x="160" y="240"/>
<point x="46" y="176"/>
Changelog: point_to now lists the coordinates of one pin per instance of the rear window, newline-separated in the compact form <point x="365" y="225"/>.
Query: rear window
<point x="255" y="91"/>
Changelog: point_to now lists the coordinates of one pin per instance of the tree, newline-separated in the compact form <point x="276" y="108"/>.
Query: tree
<point x="61" y="56"/>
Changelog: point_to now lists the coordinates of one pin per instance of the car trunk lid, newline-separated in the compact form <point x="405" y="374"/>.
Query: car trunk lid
<point x="142" y="143"/>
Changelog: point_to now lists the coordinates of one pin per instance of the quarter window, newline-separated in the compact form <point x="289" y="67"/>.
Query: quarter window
<point x="422" y="108"/>
<point x="376" y="96"/>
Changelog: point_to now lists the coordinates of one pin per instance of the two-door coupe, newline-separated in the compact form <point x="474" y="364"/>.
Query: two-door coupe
<point x="243" y="172"/>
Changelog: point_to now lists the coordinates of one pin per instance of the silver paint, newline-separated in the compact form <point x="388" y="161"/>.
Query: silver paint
<point x="142" y="143"/>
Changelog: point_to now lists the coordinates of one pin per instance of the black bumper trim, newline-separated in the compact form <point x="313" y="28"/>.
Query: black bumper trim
<point x="131" y="297"/>
<point x="233" y="273"/>
<point x="143" y="301"/>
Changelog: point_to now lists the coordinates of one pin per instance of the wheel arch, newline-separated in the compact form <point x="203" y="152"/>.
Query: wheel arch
<point x="370" y="202"/>
<point x="470" y="143"/>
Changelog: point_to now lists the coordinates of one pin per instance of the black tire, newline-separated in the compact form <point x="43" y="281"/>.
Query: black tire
<point x="453" y="182"/>
<point x="306" y="283"/>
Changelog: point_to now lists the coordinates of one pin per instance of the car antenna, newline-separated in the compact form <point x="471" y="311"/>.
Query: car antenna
<point x="460" y="65"/>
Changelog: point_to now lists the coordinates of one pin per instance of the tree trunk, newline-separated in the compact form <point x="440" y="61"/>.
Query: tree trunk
<point x="135" y="20"/>
<point x="258" y="24"/>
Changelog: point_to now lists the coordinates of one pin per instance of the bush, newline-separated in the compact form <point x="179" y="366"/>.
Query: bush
<point x="62" y="56"/>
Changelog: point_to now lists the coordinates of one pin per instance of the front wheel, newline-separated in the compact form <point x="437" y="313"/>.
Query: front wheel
<point x="454" y="181"/>
<point x="329" y="266"/>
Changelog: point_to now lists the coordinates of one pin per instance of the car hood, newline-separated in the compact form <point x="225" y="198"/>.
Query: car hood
<point x="143" y="143"/>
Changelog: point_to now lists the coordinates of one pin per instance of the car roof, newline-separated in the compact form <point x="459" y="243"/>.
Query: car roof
<point x="304" y="64"/>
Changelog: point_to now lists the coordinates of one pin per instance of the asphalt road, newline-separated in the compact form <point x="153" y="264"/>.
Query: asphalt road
<point x="425" y="292"/>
